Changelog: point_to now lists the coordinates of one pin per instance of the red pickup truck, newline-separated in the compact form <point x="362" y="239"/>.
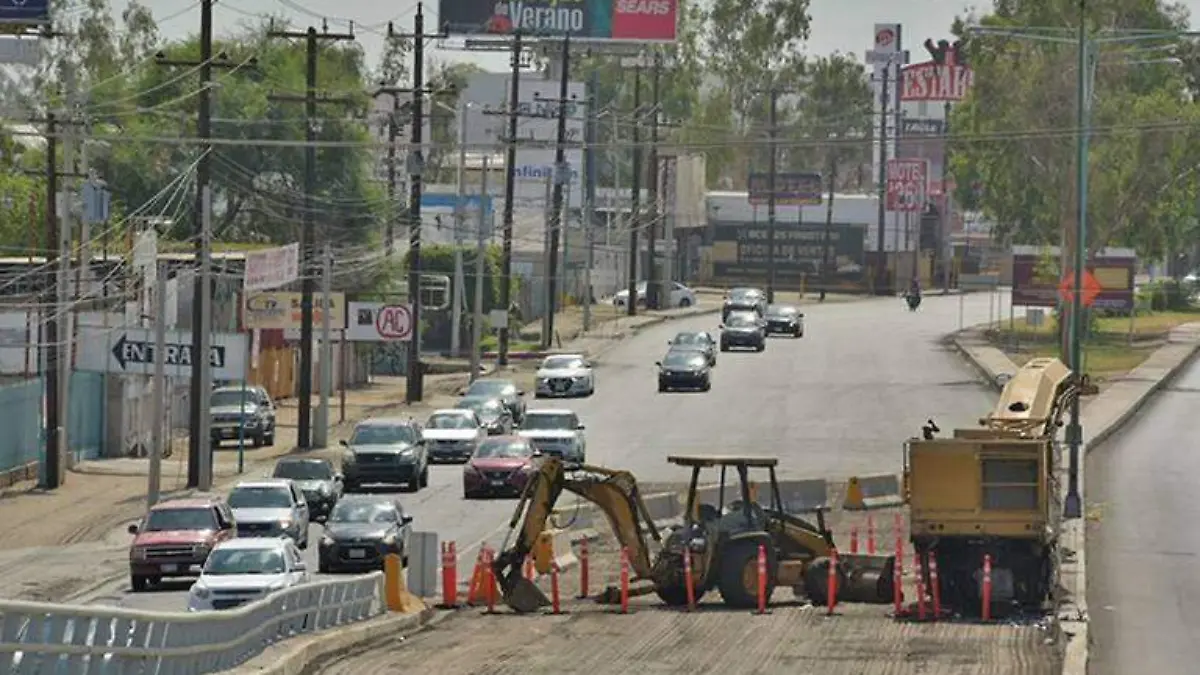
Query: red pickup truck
<point x="175" y="538"/>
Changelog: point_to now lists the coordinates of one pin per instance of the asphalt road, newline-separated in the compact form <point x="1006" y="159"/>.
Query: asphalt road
<point x="1143" y="543"/>
<point x="839" y="401"/>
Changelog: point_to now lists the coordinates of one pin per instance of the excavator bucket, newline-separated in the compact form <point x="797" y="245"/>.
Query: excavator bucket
<point x="523" y="596"/>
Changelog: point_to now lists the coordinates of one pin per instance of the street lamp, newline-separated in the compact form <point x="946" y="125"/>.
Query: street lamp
<point x="1088" y="49"/>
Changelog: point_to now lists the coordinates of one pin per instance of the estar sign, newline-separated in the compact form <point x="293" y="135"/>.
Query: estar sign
<point x="593" y="20"/>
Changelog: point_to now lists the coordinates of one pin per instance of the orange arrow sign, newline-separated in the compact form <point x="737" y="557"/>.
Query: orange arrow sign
<point x="1091" y="288"/>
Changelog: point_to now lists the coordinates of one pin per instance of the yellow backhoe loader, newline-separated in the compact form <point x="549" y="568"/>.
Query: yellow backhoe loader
<point x="723" y="538"/>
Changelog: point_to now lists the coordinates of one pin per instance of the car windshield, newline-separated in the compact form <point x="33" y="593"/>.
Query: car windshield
<point x="165" y="520"/>
<point x="743" y="295"/>
<point x="228" y="398"/>
<point x="740" y="321"/>
<point x="697" y="339"/>
<point x="562" y="363"/>
<point x="266" y="497"/>
<point x="362" y="512"/>
<point x="547" y="422"/>
<point x="491" y="388"/>
<point x="486" y="408"/>
<point x="225" y="561"/>
<point x="774" y="310"/>
<point x="688" y="359"/>
<point x="504" y="449"/>
<point x="450" y="421"/>
<point x="383" y="434"/>
<point x="309" y="470"/>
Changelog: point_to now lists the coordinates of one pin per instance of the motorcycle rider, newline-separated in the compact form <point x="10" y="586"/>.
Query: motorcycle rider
<point x="913" y="295"/>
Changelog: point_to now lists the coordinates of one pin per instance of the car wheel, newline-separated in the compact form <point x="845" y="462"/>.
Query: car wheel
<point x="323" y="567"/>
<point x="269" y="440"/>
<point x="662" y="387"/>
<point x="685" y="302"/>
<point x="425" y="477"/>
<point x="760" y="346"/>
<point x="260" y="441"/>
<point x="467" y="494"/>
<point x="349" y="487"/>
<point x="139" y="583"/>
<point x="707" y="386"/>
<point x="724" y="347"/>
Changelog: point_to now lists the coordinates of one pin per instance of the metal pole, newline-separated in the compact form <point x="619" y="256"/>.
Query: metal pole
<point x="62" y="279"/>
<point x="480" y="255"/>
<point x="241" y="457"/>
<point x="345" y="359"/>
<point x="1073" y="504"/>
<point x="459" y="215"/>
<point x="205" y="328"/>
<point x="589" y="193"/>
<point x="307" y="243"/>
<point x="635" y="196"/>
<point x="158" y="389"/>
<point x="562" y="175"/>
<point x="652" y="286"/>
<point x="52" y="476"/>
<point x="828" y="233"/>
<point x="772" y="177"/>
<point x="944" y="216"/>
<point x="321" y="430"/>
<point x="549" y="254"/>
<point x="414" y="389"/>
<point x="510" y="182"/>
<point x="881" y="261"/>
<point x="393" y="134"/>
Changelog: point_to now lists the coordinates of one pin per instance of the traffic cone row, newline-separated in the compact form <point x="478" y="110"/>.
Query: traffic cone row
<point x="482" y="588"/>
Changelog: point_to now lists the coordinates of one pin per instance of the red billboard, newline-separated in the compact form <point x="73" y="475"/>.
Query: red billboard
<point x="907" y="184"/>
<point x="1036" y="278"/>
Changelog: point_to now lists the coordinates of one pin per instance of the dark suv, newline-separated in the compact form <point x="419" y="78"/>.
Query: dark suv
<point x="316" y="478"/>
<point x="744" y="300"/>
<point x="386" y="451"/>
<point x="245" y="413"/>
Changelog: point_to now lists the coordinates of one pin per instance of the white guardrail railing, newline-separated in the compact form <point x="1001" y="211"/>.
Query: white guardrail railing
<point x="46" y="639"/>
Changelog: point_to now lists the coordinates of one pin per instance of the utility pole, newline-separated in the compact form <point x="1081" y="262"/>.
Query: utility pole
<point x="635" y="220"/>
<point x="589" y="194"/>
<point x="414" y="390"/>
<point x="772" y="180"/>
<point x="52" y="477"/>
<point x="480" y="254"/>
<point x="459" y="217"/>
<point x="944" y="216"/>
<point x="65" y="244"/>
<point x="310" y="99"/>
<point x="510" y="184"/>
<point x="827" y="235"/>
<point x="199" y="439"/>
<point x="158" y="389"/>
<point x="562" y="174"/>
<point x="393" y="134"/>
<point x="881" y="189"/>
<point x="321" y="428"/>
<point x="652" y="289"/>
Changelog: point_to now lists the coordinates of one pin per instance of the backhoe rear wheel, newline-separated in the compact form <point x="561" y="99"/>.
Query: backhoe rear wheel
<point x="669" y="581"/>
<point x="738" y="580"/>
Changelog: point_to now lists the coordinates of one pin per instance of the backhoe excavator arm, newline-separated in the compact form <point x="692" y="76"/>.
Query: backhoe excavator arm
<point x="614" y="492"/>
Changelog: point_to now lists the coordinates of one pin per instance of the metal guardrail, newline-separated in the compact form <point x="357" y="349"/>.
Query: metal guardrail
<point x="42" y="638"/>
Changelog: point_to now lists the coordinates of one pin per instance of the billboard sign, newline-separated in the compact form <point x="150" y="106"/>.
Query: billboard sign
<point x="272" y="267"/>
<point x="907" y="184"/>
<point x="24" y="12"/>
<point x="1037" y="278"/>
<point x="131" y="351"/>
<point x="595" y="20"/>
<point x="790" y="188"/>
<point x="740" y="250"/>
<point x="487" y="94"/>
<point x="379" y="322"/>
<point x="930" y="81"/>
<point x="914" y="126"/>
<point x="887" y="37"/>
<point x="275" y="310"/>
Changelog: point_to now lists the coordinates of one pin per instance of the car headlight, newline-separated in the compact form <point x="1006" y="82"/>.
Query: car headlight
<point x="407" y="452"/>
<point x="324" y="489"/>
<point x="138" y="553"/>
<point x="389" y="540"/>
<point x="326" y="540"/>
<point x="285" y="524"/>
<point x="201" y="592"/>
<point x="252" y="422"/>
<point x="200" y="550"/>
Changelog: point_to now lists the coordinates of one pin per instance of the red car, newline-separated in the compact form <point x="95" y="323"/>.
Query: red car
<point x="175" y="538"/>
<point x="500" y="466"/>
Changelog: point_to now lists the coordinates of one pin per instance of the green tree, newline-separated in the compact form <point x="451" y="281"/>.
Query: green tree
<point x="1015" y="136"/>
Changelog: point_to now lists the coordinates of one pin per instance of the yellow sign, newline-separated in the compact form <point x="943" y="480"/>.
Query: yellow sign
<point x="272" y="310"/>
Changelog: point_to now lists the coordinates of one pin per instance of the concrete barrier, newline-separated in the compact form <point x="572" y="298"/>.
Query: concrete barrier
<point x="880" y="491"/>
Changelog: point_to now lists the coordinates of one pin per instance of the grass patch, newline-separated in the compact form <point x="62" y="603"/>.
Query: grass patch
<point x="1145" y="324"/>
<point x="491" y="343"/>
<point x="1102" y="362"/>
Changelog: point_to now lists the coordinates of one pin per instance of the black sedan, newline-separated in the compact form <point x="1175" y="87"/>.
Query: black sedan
<point x="684" y="369"/>
<point x="493" y="415"/>
<point x="785" y="320"/>
<point x="743" y="329"/>
<point x="362" y="530"/>
<point x="316" y="478"/>
<point x="698" y="340"/>
<point x="505" y="390"/>
<point x="744" y="300"/>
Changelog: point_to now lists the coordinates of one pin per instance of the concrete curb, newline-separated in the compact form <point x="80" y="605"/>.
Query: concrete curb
<point x="295" y="658"/>
<point x="1073" y="614"/>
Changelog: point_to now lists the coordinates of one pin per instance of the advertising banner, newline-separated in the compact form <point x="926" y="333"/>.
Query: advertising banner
<point x="282" y="310"/>
<point x="488" y="94"/>
<point x="740" y="250"/>
<point x="272" y="267"/>
<point x="790" y="188"/>
<point x="932" y="82"/>
<point x="907" y="184"/>
<point x="379" y="322"/>
<point x="596" y="20"/>
<point x="1036" y="278"/>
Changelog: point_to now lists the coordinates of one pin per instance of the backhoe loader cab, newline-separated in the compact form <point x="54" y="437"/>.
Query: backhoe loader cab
<point x="725" y="524"/>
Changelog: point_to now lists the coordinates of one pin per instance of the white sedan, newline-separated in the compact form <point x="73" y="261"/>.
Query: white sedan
<point x="681" y="296"/>
<point x="565" y="375"/>
<point x="239" y="571"/>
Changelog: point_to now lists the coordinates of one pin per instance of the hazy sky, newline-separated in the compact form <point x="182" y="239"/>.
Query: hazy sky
<point x="842" y="25"/>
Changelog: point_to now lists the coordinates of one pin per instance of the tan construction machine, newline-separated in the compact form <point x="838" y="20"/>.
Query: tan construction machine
<point x="723" y="538"/>
<point x="991" y="491"/>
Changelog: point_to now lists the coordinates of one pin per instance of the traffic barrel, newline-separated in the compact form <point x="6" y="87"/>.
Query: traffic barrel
<point x="831" y="583"/>
<point x="762" y="579"/>
<point x="688" y="581"/>
<point x="987" y="587"/>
